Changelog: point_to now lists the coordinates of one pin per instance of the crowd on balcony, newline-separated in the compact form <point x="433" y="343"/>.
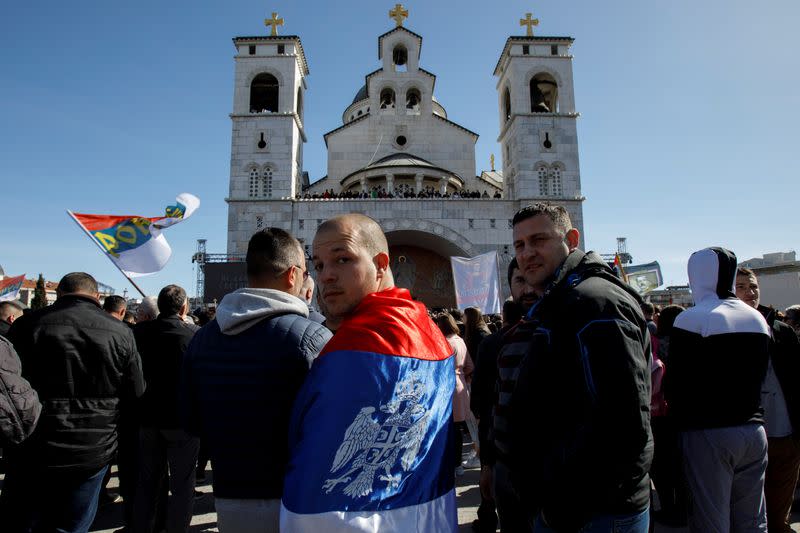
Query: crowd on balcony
<point x="403" y="191"/>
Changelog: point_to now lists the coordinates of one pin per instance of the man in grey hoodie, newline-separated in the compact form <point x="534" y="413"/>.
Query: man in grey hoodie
<point x="241" y="374"/>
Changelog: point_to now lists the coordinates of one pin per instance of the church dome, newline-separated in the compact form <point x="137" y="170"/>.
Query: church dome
<point x="360" y="95"/>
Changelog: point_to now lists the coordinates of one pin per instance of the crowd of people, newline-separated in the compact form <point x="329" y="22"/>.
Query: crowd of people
<point x="402" y="191"/>
<point x="352" y="417"/>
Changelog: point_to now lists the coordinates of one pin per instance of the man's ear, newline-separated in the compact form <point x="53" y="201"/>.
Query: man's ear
<point x="381" y="261"/>
<point x="572" y="238"/>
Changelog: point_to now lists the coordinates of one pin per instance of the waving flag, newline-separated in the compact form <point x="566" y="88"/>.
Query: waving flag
<point x="133" y="243"/>
<point x="9" y="287"/>
<point x="370" y="439"/>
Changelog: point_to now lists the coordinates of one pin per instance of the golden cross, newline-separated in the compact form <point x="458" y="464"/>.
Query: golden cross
<point x="530" y="23"/>
<point x="398" y="14"/>
<point x="274" y="22"/>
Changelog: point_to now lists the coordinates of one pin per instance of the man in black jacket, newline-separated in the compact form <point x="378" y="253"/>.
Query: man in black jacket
<point x="242" y="372"/>
<point x="780" y="398"/>
<point x="162" y="343"/>
<point x="19" y="404"/>
<point x="82" y="363"/>
<point x="578" y="441"/>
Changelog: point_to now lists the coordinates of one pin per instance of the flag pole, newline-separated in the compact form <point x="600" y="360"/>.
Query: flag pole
<point x="105" y="253"/>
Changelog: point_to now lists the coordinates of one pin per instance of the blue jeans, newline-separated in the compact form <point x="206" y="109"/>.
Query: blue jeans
<point x="630" y="523"/>
<point x="62" y="502"/>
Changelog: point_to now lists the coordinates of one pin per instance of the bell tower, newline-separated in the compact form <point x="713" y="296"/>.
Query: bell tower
<point x="538" y="121"/>
<point x="267" y="131"/>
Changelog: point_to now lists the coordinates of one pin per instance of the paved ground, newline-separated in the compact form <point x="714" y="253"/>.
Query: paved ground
<point x="109" y="517"/>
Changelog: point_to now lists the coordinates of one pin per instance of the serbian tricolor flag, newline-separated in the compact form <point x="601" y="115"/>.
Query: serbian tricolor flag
<point x="370" y="440"/>
<point x="9" y="287"/>
<point x="133" y="243"/>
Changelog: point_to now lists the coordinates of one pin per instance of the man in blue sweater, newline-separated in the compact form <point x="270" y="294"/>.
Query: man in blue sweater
<point x="241" y="374"/>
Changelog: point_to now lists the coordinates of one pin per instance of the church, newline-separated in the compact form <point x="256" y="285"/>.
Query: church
<point x="398" y="157"/>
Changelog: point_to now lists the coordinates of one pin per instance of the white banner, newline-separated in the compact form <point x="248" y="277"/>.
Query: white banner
<point x="476" y="282"/>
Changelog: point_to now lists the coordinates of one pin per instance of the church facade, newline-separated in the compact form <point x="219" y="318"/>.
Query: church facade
<point x="399" y="158"/>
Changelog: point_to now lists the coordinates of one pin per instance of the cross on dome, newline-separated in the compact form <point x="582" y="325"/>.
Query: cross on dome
<point x="398" y="14"/>
<point x="274" y="22"/>
<point x="529" y="23"/>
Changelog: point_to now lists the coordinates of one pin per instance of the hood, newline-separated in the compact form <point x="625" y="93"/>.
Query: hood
<point x="244" y="308"/>
<point x="712" y="274"/>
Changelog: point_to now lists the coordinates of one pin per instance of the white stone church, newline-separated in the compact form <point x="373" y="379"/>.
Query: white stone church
<point x="396" y="141"/>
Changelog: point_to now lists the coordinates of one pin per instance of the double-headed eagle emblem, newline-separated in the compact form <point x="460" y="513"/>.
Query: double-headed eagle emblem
<point x="370" y="445"/>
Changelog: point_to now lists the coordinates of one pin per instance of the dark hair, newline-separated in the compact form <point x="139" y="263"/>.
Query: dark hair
<point x="171" y="300"/>
<point x="77" y="282"/>
<point x="130" y="318"/>
<point x="744" y="271"/>
<point x="556" y="213"/>
<point x="648" y="308"/>
<point x="512" y="266"/>
<point x="447" y="324"/>
<point x="667" y="319"/>
<point x="114" y="303"/>
<point x="271" y="251"/>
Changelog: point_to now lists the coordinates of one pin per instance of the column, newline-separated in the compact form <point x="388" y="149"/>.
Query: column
<point x="418" y="181"/>
<point x="443" y="185"/>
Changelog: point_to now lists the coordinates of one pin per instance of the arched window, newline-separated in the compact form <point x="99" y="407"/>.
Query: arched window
<point x="387" y="99"/>
<point x="253" y="190"/>
<point x="264" y="94"/>
<point x="400" y="58"/>
<point x="544" y="94"/>
<point x="507" y="104"/>
<point x="544" y="179"/>
<point x="556" y="188"/>
<point x="266" y="183"/>
<point x="413" y="101"/>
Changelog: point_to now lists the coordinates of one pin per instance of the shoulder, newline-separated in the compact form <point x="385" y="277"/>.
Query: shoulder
<point x="298" y="327"/>
<point x="784" y="334"/>
<point x="720" y="317"/>
<point x="598" y="298"/>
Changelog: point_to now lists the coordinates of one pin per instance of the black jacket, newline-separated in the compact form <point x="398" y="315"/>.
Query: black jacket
<point x="81" y="361"/>
<point x="162" y="343"/>
<point x="483" y="394"/>
<point x="19" y="404"/>
<point x="241" y="374"/>
<point x="784" y="351"/>
<point x="579" y="419"/>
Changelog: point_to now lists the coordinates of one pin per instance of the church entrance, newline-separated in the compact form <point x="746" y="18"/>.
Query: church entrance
<point x="421" y="263"/>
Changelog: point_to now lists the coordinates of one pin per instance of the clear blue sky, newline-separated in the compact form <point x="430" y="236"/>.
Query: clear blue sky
<point x="688" y="129"/>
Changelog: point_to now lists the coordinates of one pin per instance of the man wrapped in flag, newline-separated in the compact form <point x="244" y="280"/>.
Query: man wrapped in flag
<point x="135" y="244"/>
<point x="370" y="438"/>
